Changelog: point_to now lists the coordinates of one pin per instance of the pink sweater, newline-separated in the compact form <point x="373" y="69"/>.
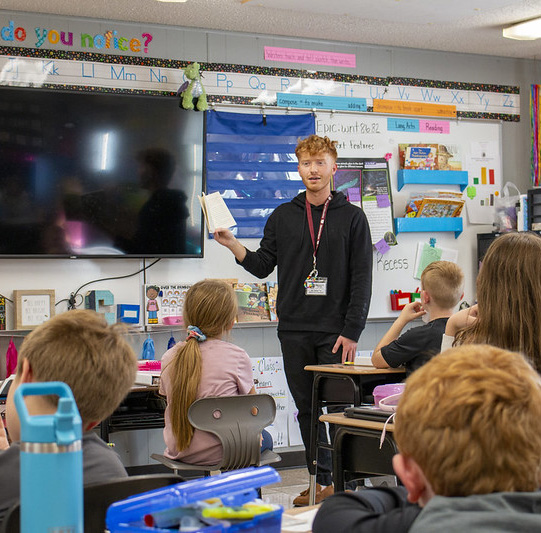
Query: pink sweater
<point x="226" y="371"/>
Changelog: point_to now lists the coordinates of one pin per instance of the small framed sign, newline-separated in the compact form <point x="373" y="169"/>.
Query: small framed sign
<point x="33" y="307"/>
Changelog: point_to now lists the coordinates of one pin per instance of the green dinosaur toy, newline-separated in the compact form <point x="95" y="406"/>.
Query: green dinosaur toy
<point x="193" y="89"/>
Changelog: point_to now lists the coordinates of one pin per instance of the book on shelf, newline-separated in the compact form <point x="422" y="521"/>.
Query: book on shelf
<point x="443" y="156"/>
<point x="522" y="213"/>
<point x="272" y="294"/>
<point x="420" y="158"/>
<point x="417" y="198"/>
<point x="2" y="312"/>
<point x="252" y="302"/>
<point x="448" y="157"/>
<point x="216" y="212"/>
<point x="440" y="207"/>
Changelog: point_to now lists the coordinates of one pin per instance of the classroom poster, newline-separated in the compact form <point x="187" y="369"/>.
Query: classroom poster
<point x="367" y="180"/>
<point x="164" y="304"/>
<point x="270" y="378"/>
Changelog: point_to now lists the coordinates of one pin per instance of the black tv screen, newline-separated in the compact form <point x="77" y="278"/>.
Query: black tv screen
<point x="98" y="175"/>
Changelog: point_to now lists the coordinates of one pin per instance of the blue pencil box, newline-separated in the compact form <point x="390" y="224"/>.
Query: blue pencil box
<point x="234" y="489"/>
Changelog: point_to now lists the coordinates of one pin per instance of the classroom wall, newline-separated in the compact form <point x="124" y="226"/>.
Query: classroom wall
<point x="220" y="47"/>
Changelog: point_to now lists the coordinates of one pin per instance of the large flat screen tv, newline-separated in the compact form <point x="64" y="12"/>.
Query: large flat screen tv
<point x="90" y="174"/>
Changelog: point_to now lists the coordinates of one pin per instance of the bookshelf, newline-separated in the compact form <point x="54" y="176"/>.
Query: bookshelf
<point x="431" y="177"/>
<point x="429" y="224"/>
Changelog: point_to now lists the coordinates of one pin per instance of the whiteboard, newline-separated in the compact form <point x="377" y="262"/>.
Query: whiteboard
<point x="369" y="136"/>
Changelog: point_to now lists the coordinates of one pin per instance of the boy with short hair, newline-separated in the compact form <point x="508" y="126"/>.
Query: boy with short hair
<point x="468" y="428"/>
<point x="95" y="360"/>
<point x="442" y="286"/>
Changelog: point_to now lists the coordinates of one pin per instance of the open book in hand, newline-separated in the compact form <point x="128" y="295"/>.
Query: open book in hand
<point x="217" y="214"/>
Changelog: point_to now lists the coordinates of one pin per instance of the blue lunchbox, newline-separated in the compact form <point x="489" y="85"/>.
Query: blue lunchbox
<point x="159" y="510"/>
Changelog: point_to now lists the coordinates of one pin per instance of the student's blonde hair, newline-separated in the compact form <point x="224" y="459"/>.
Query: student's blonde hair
<point x="444" y="282"/>
<point x="509" y="297"/>
<point x="210" y="305"/>
<point x="471" y="419"/>
<point x="92" y="357"/>
<point x="314" y="145"/>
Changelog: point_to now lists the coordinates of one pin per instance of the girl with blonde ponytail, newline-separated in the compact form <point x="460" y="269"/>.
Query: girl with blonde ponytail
<point x="203" y="365"/>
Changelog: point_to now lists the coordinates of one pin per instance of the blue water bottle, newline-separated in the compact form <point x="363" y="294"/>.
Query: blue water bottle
<point x="51" y="462"/>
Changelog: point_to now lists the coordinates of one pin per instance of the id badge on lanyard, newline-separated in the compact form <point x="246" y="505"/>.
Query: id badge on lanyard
<point x="314" y="285"/>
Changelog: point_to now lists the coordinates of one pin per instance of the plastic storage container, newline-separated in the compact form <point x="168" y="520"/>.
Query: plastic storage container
<point x="382" y="391"/>
<point x="234" y="488"/>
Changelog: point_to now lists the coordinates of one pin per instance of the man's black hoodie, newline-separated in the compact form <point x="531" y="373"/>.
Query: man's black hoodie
<point x="344" y="257"/>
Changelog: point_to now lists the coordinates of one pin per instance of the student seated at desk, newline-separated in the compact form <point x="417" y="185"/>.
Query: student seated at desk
<point x="468" y="428"/>
<point x="204" y="365"/>
<point x="95" y="360"/>
<point x="508" y="310"/>
<point x="442" y="287"/>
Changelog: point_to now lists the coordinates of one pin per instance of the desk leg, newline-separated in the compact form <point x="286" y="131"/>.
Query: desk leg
<point x="338" y="469"/>
<point x="312" y="468"/>
<point x="327" y="389"/>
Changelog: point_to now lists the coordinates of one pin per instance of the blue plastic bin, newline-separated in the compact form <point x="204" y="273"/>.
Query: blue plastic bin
<point x="234" y="489"/>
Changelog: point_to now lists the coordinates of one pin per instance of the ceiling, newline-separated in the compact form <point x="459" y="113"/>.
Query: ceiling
<point x="467" y="26"/>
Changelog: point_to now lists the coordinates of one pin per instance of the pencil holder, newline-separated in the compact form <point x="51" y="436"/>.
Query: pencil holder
<point x="399" y="300"/>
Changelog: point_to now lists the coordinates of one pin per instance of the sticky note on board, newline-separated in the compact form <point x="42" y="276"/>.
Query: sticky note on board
<point x="383" y="200"/>
<point x="429" y="254"/>
<point x="382" y="247"/>
<point x="354" y="194"/>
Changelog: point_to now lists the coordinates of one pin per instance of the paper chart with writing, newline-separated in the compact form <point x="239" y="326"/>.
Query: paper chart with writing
<point x="427" y="254"/>
<point x="270" y="378"/>
<point x="484" y="181"/>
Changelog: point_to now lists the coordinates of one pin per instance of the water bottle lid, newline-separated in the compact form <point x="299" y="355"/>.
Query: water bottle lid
<point x="63" y="427"/>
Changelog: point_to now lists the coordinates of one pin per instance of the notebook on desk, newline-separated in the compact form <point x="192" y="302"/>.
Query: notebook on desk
<point x="367" y="412"/>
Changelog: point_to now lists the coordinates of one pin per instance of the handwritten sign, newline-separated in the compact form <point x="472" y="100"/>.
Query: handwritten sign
<point x="33" y="308"/>
<point x="403" y="124"/>
<point x="321" y="102"/>
<point x="434" y="126"/>
<point x="269" y="378"/>
<point x="414" y="108"/>
<point x="314" y="57"/>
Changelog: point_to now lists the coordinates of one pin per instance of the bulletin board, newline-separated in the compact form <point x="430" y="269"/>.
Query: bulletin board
<point x="479" y="145"/>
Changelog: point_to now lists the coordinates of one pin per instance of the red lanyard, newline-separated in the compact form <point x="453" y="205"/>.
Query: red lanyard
<point x="315" y="243"/>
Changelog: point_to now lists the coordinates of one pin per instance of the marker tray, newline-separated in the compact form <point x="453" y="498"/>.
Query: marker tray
<point x="234" y="489"/>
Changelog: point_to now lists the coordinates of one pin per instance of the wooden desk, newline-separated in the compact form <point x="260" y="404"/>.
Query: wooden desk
<point x="356" y="448"/>
<point x="354" y="370"/>
<point x="342" y="420"/>
<point x="339" y="384"/>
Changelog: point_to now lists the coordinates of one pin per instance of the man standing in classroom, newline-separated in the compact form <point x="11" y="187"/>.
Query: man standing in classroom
<point x="321" y="244"/>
